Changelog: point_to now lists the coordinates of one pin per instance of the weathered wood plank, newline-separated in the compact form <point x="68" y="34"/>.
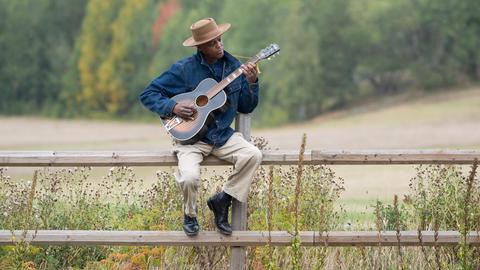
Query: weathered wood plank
<point x="238" y="238"/>
<point x="395" y="156"/>
<point x="239" y="210"/>
<point x="270" y="157"/>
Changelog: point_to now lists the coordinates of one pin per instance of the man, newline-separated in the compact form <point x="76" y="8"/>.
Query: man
<point x="210" y="61"/>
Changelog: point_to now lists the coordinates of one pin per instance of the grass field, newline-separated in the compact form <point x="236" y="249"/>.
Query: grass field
<point x="448" y="120"/>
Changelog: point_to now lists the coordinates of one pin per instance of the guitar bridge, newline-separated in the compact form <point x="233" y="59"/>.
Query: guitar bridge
<point x="173" y="123"/>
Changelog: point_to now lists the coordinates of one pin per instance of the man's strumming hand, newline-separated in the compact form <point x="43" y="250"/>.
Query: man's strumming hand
<point x="184" y="110"/>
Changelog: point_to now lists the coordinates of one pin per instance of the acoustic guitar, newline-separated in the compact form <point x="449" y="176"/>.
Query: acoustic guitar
<point x="206" y="98"/>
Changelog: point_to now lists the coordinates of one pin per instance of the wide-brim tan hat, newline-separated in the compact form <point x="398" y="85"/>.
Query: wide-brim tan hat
<point x="204" y="31"/>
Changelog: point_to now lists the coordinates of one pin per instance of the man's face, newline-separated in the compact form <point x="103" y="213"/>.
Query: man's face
<point x="213" y="50"/>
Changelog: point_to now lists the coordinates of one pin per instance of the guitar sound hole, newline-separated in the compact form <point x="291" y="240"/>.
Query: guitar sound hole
<point x="201" y="100"/>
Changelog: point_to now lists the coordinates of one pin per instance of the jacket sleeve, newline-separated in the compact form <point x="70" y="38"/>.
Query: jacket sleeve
<point x="248" y="99"/>
<point x="156" y="96"/>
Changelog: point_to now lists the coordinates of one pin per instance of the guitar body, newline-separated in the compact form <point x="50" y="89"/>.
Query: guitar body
<point x="190" y="131"/>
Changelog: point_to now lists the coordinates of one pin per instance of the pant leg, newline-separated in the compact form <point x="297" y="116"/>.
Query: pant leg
<point x="246" y="158"/>
<point x="188" y="173"/>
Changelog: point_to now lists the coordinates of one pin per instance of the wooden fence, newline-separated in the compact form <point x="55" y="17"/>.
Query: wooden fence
<point x="240" y="237"/>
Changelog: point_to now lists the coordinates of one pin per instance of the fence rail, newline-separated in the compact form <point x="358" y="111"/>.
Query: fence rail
<point x="238" y="238"/>
<point x="270" y="157"/>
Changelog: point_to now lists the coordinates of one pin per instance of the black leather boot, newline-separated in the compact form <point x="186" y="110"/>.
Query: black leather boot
<point x="219" y="204"/>
<point x="190" y="225"/>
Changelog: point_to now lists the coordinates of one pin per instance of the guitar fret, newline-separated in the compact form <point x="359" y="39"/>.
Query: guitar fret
<point x="237" y="72"/>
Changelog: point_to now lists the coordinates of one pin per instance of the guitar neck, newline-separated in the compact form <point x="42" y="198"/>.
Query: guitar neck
<point x="230" y="78"/>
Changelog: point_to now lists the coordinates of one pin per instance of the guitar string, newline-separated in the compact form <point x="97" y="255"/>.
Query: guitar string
<point x="246" y="57"/>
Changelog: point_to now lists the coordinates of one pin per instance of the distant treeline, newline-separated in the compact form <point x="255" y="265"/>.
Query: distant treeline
<point x="91" y="58"/>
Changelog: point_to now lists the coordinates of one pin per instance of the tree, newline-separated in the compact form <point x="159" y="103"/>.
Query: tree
<point x="95" y="43"/>
<point x="35" y="38"/>
<point x="122" y="73"/>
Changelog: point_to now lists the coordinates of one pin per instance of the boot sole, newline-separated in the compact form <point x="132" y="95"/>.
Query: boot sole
<point x="191" y="234"/>
<point x="224" y="232"/>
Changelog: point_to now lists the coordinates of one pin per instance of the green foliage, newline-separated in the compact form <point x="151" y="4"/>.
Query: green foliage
<point x="442" y="198"/>
<point x="95" y="43"/>
<point x="36" y="38"/>
<point x="389" y="217"/>
<point x="438" y="196"/>
<point x="92" y="58"/>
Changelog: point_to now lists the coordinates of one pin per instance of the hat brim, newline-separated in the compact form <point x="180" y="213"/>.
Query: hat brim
<point x="190" y="42"/>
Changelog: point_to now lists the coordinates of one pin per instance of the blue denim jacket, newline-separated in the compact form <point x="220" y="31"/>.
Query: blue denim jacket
<point x="184" y="76"/>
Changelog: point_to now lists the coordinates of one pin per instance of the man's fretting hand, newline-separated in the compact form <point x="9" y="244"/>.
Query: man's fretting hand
<point x="184" y="110"/>
<point x="250" y="71"/>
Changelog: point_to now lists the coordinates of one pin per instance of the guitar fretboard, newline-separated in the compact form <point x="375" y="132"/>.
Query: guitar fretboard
<point x="230" y="78"/>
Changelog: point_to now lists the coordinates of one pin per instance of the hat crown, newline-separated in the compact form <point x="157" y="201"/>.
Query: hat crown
<point x="205" y="29"/>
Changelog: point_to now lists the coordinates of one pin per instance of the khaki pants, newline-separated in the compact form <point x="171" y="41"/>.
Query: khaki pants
<point x="245" y="157"/>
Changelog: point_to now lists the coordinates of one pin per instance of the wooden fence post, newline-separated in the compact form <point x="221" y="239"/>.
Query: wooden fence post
<point x="238" y="261"/>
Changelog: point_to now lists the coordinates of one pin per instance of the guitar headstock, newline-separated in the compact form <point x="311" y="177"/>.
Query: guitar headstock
<point x="269" y="51"/>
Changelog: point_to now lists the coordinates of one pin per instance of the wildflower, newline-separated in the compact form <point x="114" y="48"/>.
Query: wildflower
<point x="347" y="226"/>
